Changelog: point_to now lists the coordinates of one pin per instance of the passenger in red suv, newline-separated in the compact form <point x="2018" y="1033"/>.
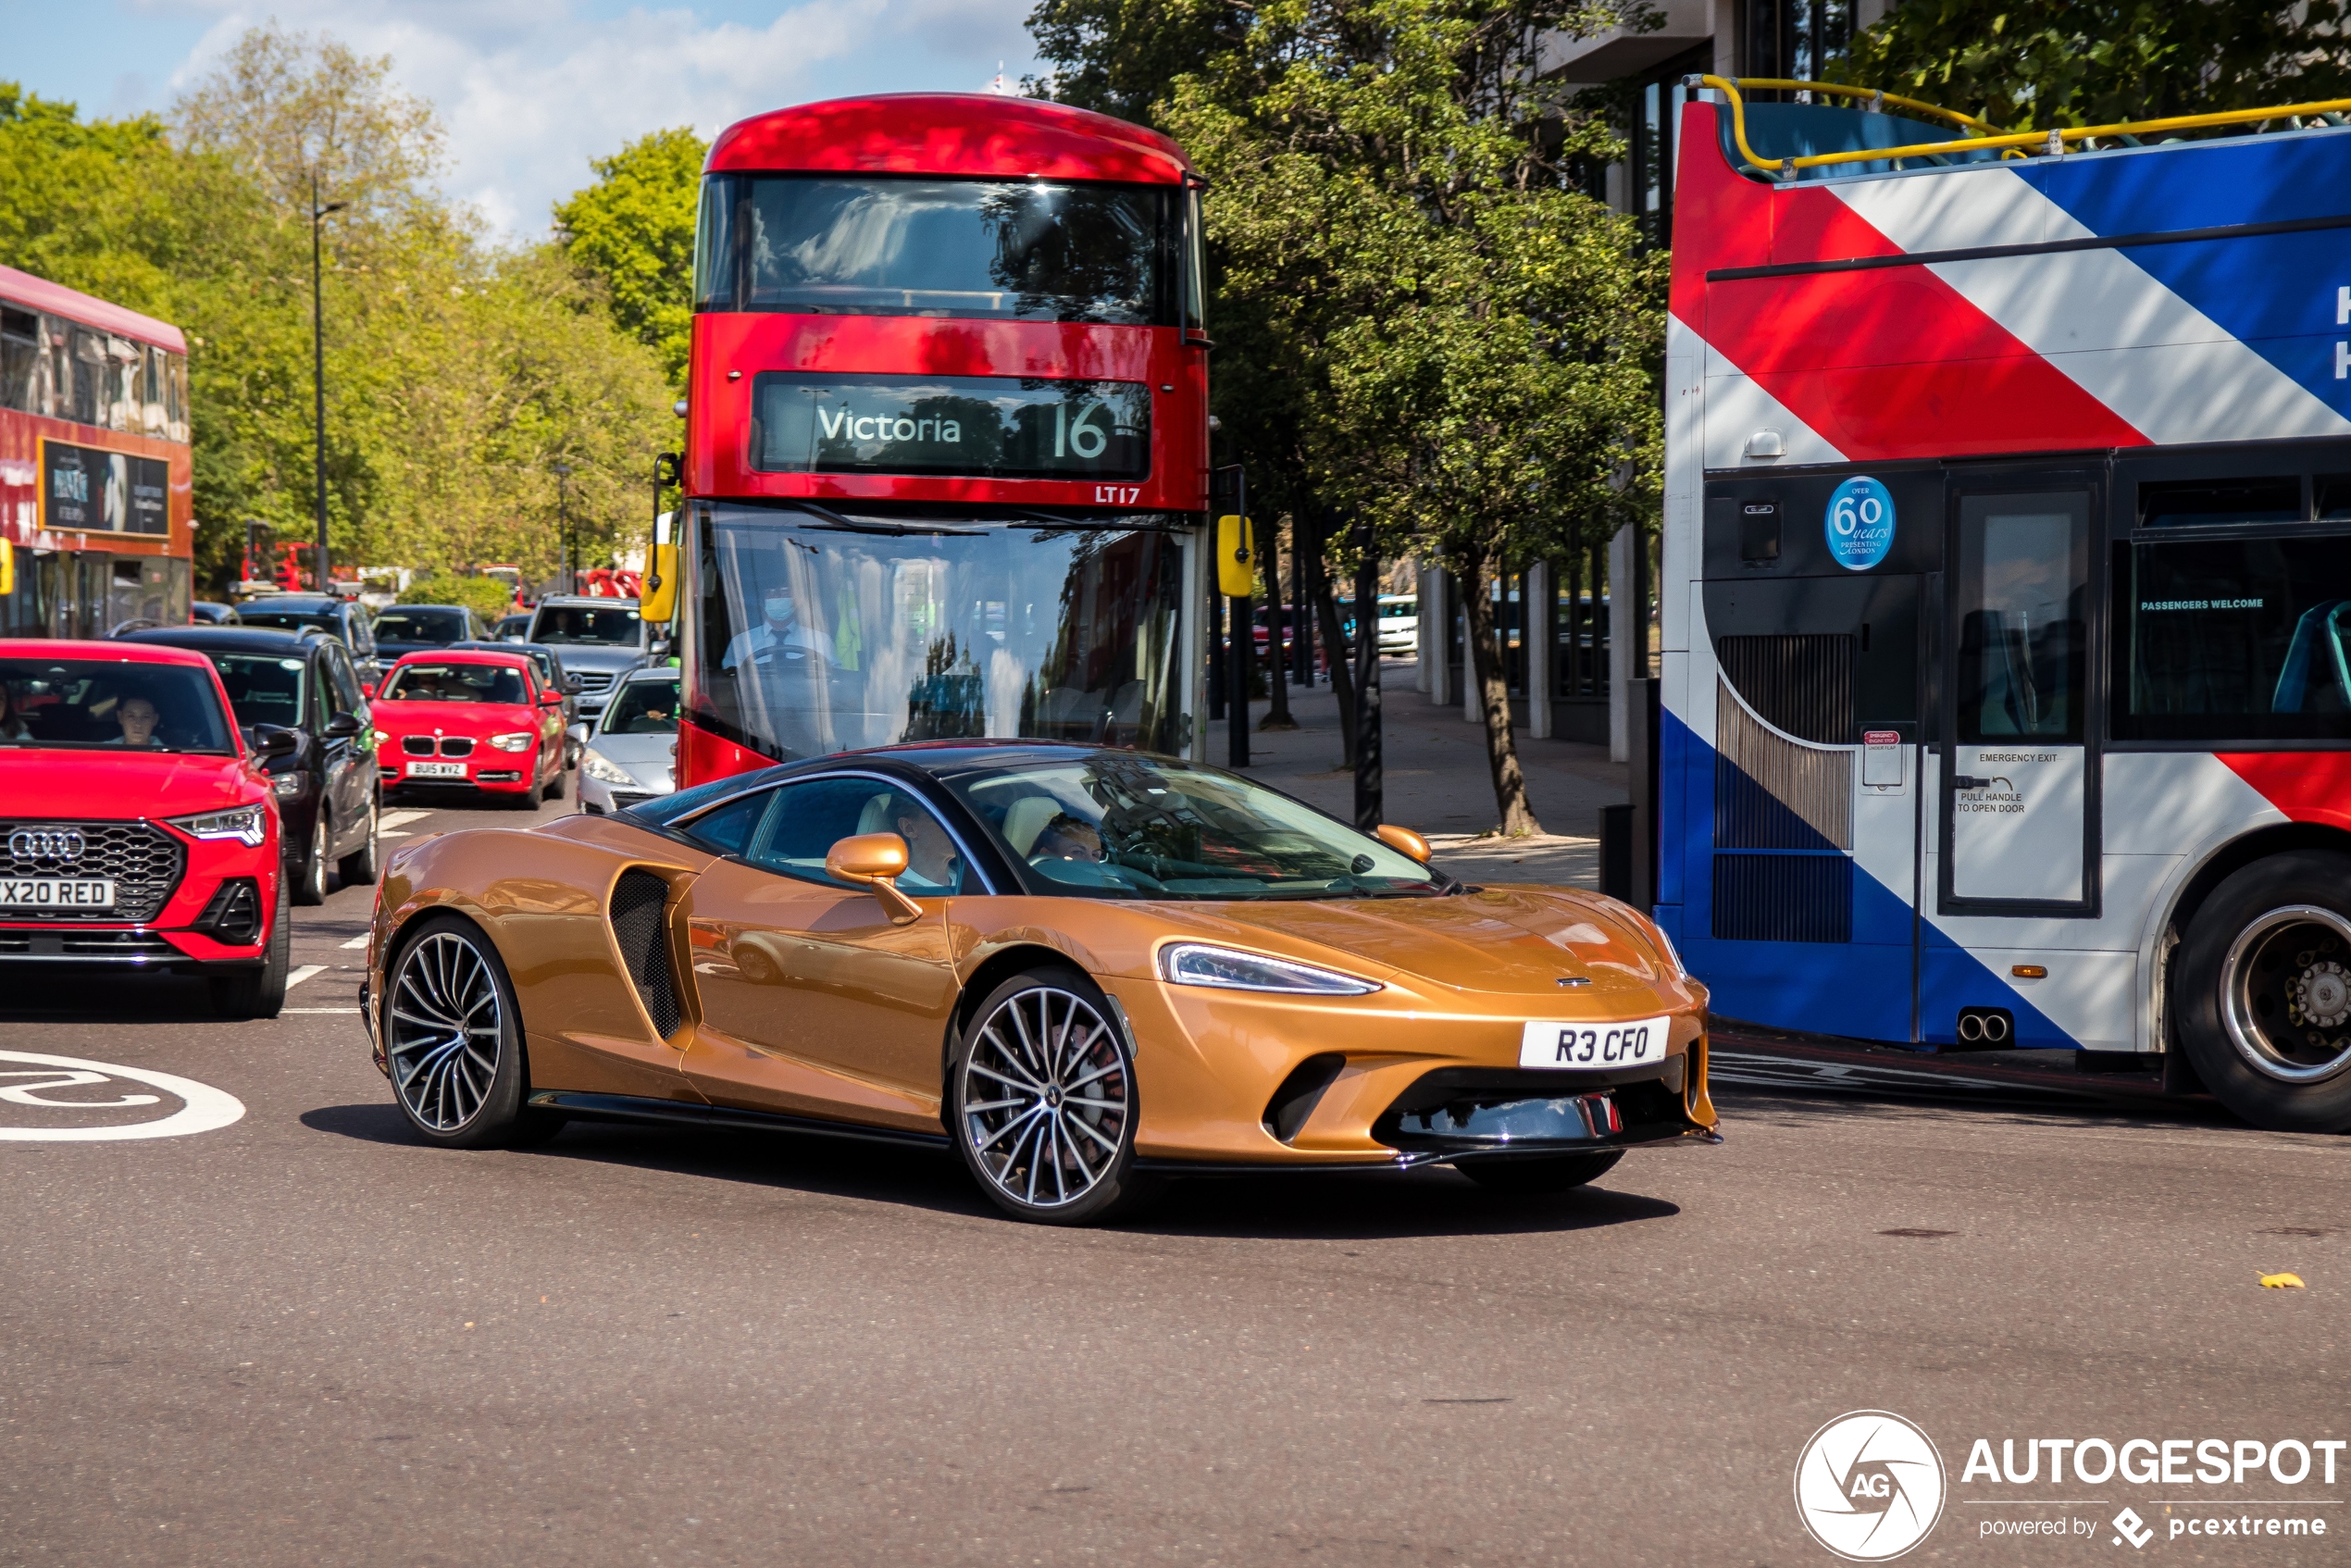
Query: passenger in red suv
<point x="136" y="829"/>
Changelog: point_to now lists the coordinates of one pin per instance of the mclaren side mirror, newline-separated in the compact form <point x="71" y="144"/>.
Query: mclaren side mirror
<point x="1403" y="840"/>
<point x="876" y="860"/>
<point x="274" y="740"/>
<point x="342" y="727"/>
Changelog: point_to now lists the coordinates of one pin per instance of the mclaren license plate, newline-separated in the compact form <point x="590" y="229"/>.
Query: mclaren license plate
<point x="1594" y="1045"/>
<point x="436" y="770"/>
<point x="55" y="892"/>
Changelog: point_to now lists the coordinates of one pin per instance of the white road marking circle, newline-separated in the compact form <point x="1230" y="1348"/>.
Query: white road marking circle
<point x="203" y="1108"/>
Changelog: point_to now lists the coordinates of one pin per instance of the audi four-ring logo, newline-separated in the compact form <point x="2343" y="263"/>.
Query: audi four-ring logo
<point x="46" y="843"/>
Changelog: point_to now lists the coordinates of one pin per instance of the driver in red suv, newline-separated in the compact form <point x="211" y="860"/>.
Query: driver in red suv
<point x="136" y="828"/>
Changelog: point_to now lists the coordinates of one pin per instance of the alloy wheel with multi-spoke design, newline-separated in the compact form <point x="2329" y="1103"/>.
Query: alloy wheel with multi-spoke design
<point x="1046" y="1098"/>
<point x="444" y="1031"/>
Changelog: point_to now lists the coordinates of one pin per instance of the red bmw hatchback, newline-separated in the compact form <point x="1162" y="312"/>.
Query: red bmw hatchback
<point x="477" y="720"/>
<point x="137" y="831"/>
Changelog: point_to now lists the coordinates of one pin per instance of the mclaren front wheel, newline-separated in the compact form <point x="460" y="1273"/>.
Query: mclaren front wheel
<point x="1042" y="1096"/>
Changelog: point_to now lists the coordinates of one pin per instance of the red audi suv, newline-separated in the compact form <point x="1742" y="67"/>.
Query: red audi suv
<point x="137" y="831"/>
<point x="474" y="719"/>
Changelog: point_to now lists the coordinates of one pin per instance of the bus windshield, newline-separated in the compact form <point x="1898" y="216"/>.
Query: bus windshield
<point x="810" y="639"/>
<point x="878" y="246"/>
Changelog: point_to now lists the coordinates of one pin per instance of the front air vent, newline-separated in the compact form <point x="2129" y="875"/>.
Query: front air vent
<point x="639" y="900"/>
<point x="1801" y="683"/>
<point x="1286" y="1114"/>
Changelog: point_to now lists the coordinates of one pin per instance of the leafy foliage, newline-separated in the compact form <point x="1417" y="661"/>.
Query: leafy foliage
<point x="1423" y="322"/>
<point x="457" y="373"/>
<point x="634" y="231"/>
<point x="2101" y="62"/>
<point x="489" y="597"/>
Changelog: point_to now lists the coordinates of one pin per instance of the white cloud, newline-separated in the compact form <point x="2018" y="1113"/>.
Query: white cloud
<point x="530" y="89"/>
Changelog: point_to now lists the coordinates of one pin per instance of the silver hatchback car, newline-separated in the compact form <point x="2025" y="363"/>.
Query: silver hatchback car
<point x="632" y="755"/>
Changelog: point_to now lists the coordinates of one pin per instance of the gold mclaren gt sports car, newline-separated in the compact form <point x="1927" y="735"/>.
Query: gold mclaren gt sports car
<point x="1089" y="969"/>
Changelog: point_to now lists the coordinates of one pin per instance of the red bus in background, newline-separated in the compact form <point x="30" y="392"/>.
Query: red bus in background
<point x="96" y="520"/>
<point x="946" y="460"/>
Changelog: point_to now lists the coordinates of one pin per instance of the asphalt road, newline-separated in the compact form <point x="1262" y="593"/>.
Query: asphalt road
<point x="304" y="1339"/>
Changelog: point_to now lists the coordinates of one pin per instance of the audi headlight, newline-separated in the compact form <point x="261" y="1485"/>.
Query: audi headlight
<point x="248" y="825"/>
<point x="1196" y="963"/>
<point x="520" y="741"/>
<point x="287" y="785"/>
<point x="603" y="770"/>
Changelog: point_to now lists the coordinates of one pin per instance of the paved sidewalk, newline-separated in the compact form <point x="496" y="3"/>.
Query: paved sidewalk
<point x="1439" y="783"/>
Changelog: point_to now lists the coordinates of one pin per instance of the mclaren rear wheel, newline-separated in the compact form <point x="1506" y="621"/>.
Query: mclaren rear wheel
<point x="1043" y="1102"/>
<point x="1540" y="1172"/>
<point x="453" y="1037"/>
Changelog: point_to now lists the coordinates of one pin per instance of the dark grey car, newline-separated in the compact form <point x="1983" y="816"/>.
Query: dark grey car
<point x="302" y="682"/>
<point x="600" y="641"/>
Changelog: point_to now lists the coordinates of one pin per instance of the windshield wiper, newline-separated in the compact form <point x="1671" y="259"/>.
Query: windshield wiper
<point x="846" y="525"/>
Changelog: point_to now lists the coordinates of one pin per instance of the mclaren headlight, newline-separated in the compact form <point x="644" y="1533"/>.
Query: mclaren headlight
<point x="1198" y="964"/>
<point x="248" y="825"/>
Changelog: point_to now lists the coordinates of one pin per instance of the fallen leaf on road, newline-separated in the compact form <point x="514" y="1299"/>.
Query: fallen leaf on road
<point x="2283" y="1281"/>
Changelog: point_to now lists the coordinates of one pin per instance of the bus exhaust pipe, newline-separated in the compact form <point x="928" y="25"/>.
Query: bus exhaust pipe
<point x="1988" y="1027"/>
<point x="1971" y="1028"/>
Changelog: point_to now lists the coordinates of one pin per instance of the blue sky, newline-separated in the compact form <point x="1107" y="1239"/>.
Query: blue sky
<point x="530" y="89"/>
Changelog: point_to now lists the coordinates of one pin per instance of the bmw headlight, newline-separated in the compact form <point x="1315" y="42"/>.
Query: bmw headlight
<point x="1196" y="963"/>
<point x="248" y="825"/>
<point x="520" y="741"/>
<point x="287" y="785"/>
<point x="603" y="769"/>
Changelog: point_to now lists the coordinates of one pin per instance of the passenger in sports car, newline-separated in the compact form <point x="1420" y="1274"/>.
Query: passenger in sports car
<point x="932" y="860"/>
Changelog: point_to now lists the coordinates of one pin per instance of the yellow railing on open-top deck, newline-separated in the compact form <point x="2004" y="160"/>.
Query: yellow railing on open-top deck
<point x="1987" y="137"/>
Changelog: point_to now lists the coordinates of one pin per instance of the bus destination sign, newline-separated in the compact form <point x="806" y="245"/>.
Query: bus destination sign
<point x="985" y="427"/>
<point x="85" y="490"/>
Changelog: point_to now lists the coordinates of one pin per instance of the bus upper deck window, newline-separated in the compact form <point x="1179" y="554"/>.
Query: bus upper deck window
<point x="2334" y="492"/>
<point x="2271" y="498"/>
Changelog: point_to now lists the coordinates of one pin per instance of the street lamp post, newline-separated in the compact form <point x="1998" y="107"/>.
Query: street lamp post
<point x="319" y="363"/>
<point x="569" y="545"/>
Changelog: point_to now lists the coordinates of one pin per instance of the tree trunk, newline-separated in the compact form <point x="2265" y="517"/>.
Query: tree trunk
<point x="1493" y="701"/>
<point x="1334" y="649"/>
<point x="1277" y="620"/>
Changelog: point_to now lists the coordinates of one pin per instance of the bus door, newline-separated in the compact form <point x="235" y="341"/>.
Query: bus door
<point x="2018" y="800"/>
<point x="1805" y="908"/>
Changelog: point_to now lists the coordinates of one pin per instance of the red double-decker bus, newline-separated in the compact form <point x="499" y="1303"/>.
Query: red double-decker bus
<point x="96" y="525"/>
<point x="946" y="460"/>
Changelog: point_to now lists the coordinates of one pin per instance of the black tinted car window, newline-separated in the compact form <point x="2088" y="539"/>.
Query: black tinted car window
<point x="727" y="828"/>
<point x="810" y="818"/>
<point x="264" y="689"/>
<point x="435" y="625"/>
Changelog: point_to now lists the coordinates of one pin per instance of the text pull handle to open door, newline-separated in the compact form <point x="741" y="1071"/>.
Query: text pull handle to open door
<point x="2020" y="797"/>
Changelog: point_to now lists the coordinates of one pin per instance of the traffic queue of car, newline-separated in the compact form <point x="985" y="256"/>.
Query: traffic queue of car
<point x="171" y="791"/>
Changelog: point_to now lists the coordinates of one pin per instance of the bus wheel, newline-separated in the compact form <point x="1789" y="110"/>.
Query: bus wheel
<point x="2265" y="992"/>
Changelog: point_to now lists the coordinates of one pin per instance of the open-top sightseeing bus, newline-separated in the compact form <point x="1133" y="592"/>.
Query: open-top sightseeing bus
<point x="2006" y="586"/>
<point x="947" y="434"/>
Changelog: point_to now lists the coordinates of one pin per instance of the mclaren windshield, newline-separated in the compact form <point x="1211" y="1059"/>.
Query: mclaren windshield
<point x="1121" y="825"/>
<point x="820" y="632"/>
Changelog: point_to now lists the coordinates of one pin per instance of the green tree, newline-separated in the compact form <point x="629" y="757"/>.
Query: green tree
<point x="633" y="230"/>
<point x="1455" y="344"/>
<point x="1119" y="57"/>
<point x="458" y="373"/>
<point x="2100" y="62"/>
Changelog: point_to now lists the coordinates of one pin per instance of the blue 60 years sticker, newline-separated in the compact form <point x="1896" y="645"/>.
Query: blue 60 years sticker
<point x="1860" y="523"/>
